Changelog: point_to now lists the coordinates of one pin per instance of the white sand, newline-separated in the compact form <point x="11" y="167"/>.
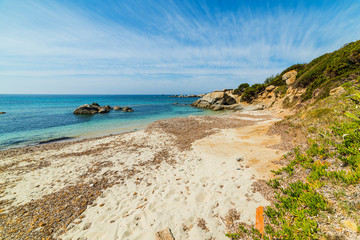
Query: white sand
<point x="205" y="182"/>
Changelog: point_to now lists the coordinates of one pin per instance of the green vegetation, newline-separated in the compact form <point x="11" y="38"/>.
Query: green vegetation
<point x="319" y="76"/>
<point x="241" y="88"/>
<point x="329" y="168"/>
<point x="320" y="179"/>
<point x="251" y="92"/>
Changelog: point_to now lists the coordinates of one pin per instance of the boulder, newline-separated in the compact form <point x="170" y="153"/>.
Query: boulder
<point x="127" y="109"/>
<point x="213" y="99"/>
<point x="217" y="107"/>
<point x="86" y="109"/>
<point x="117" y="108"/>
<point x="104" y="110"/>
<point x="2" y="112"/>
<point x="270" y="88"/>
<point x="289" y="77"/>
<point x="89" y="109"/>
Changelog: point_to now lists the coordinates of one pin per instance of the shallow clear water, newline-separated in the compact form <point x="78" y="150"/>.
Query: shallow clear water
<point x="30" y="119"/>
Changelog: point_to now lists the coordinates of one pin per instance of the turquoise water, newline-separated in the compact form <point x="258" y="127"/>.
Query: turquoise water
<point x="31" y="119"/>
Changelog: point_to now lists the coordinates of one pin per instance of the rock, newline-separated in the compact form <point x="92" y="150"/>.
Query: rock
<point x="289" y="77"/>
<point x="104" y="110"/>
<point x="254" y="108"/>
<point x="217" y="108"/>
<point x="201" y="104"/>
<point x="117" y="108"/>
<point x="213" y="99"/>
<point x="94" y="108"/>
<point x="86" y="109"/>
<point x="108" y="107"/>
<point x="270" y="88"/>
<point x="165" y="234"/>
<point x="2" y="112"/>
<point x="349" y="225"/>
<point x="127" y="109"/>
<point x="239" y="159"/>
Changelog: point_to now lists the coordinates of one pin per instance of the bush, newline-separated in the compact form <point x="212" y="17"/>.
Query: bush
<point x="250" y="93"/>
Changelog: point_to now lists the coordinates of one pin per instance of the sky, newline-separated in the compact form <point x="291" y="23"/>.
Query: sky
<point x="162" y="47"/>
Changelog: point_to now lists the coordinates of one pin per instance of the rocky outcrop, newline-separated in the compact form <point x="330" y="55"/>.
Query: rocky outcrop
<point x="215" y="100"/>
<point x="2" y="112"/>
<point x="289" y="77"/>
<point x="94" y="108"/>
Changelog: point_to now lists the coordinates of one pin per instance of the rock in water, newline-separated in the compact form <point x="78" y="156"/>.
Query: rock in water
<point x="165" y="234"/>
<point x="104" y="110"/>
<point x="92" y="109"/>
<point x="86" y="109"/>
<point x="2" y="112"/>
<point x="127" y="109"/>
<point x="117" y="108"/>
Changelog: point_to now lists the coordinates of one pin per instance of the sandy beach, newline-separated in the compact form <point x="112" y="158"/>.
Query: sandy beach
<point x="192" y="175"/>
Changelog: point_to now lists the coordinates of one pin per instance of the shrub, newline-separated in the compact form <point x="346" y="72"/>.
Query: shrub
<point x="250" y="93"/>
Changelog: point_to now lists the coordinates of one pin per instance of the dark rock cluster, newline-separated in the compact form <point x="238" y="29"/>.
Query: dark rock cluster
<point x="89" y="109"/>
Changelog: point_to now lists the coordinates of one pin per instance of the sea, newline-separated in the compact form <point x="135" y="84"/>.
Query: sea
<point x="38" y="119"/>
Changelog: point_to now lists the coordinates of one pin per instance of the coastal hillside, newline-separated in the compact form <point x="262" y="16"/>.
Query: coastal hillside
<point x="313" y="80"/>
<point x="295" y="87"/>
<point x="315" y="195"/>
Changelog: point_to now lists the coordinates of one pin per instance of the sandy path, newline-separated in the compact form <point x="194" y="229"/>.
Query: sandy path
<point x="142" y="182"/>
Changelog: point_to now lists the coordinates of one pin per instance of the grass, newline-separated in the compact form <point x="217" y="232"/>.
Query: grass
<point x="318" y="77"/>
<point x="317" y="181"/>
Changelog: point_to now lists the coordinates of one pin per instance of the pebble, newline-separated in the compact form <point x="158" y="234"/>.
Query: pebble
<point x="239" y="159"/>
<point x="238" y="168"/>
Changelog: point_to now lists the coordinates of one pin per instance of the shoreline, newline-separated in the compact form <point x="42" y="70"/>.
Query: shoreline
<point x="137" y="176"/>
<point x="104" y="133"/>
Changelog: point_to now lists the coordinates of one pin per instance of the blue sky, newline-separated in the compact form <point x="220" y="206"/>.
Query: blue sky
<point x="153" y="47"/>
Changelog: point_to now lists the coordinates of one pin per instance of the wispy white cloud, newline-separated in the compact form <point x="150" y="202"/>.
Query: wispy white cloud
<point x="183" y="47"/>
